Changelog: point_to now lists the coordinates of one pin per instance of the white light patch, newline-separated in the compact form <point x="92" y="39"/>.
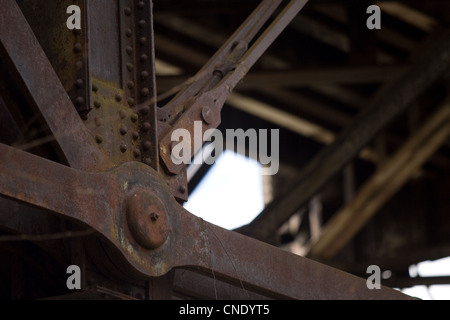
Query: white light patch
<point x="231" y="194"/>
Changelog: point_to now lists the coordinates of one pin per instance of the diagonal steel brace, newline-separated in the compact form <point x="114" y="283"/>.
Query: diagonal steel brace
<point x="130" y="208"/>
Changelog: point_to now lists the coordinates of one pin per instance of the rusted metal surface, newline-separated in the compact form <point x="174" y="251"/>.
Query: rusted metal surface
<point x="182" y="240"/>
<point x="213" y="83"/>
<point x="114" y="185"/>
<point x="24" y="55"/>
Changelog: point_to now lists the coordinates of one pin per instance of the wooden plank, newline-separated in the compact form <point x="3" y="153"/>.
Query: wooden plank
<point x="409" y="15"/>
<point x="386" y="107"/>
<point x="305" y="77"/>
<point x="388" y="179"/>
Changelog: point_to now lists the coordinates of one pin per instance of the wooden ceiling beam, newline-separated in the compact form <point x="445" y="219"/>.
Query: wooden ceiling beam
<point x="386" y="182"/>
<point x="386" y="106"/>
<point x="306" y="77"/>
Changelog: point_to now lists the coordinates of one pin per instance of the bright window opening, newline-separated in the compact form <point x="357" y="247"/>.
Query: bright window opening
<point x="437" y="268"/>
<point x="231" y="193"/>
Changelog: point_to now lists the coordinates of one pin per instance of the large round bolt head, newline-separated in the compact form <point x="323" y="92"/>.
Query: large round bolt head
<point x="147" y="219"/>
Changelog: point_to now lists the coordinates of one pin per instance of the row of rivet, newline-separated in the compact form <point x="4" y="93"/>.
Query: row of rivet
<point x="143" y="78"/>
<point x="135" y="43"/>
<point x="79" y="92"/>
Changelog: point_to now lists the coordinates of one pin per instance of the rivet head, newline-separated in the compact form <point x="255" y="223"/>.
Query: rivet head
<point x="123" y="131"/>
<point x="122" y="114"/>
<point x="148" y="161"/>
<point x="130" y="102"/>
<point x="144" y="75"/>
<point x="97" y="104"/>
<point x="135" y="135"/>
<point x="134" y="117"/>
<point x="147" y="145"/>
<point x="143" y="40"/>
<point x="127" y="11"/>
<point x="118" y="97"/>
<point x="130" y="85"/>
<point x="146" y="126"/>
<point x="98" y="122"/>
<point x="123" y="147"/>
<point x="145" y="110"/>
<point x="128" y="32"/>
<point x="94" y="88"/>
<point x="182" y="189"/>
<point x="142" y="23"/>
<point x="79" y="101"/>
<point x="130" y="67"/>
<point x="129" y="50"/>
<point x="141" y="5"/>
<point x="77" y="47"/>
<point x="147" y="219"/>
<point x="79" y="83"/>
<point x="145" y="92"/>
<point x="79" y="65"/>
<point x="207" y="115"/>
<point x="144" y="57"/>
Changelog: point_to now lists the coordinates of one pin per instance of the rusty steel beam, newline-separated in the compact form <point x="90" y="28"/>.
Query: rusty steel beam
<point x="213" y="83"/>
<point x="26" y="59"/>
<point x="151" y="233"/>
<point x="386" y="106"/>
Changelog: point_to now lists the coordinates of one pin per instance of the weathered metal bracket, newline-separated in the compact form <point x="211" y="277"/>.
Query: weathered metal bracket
<point x="150" y="231"/>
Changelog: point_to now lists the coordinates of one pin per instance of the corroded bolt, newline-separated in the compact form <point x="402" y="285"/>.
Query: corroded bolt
<point x="207" y="115"/>
<point x="147" y="219"/>
<point x="154" y="216"/>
